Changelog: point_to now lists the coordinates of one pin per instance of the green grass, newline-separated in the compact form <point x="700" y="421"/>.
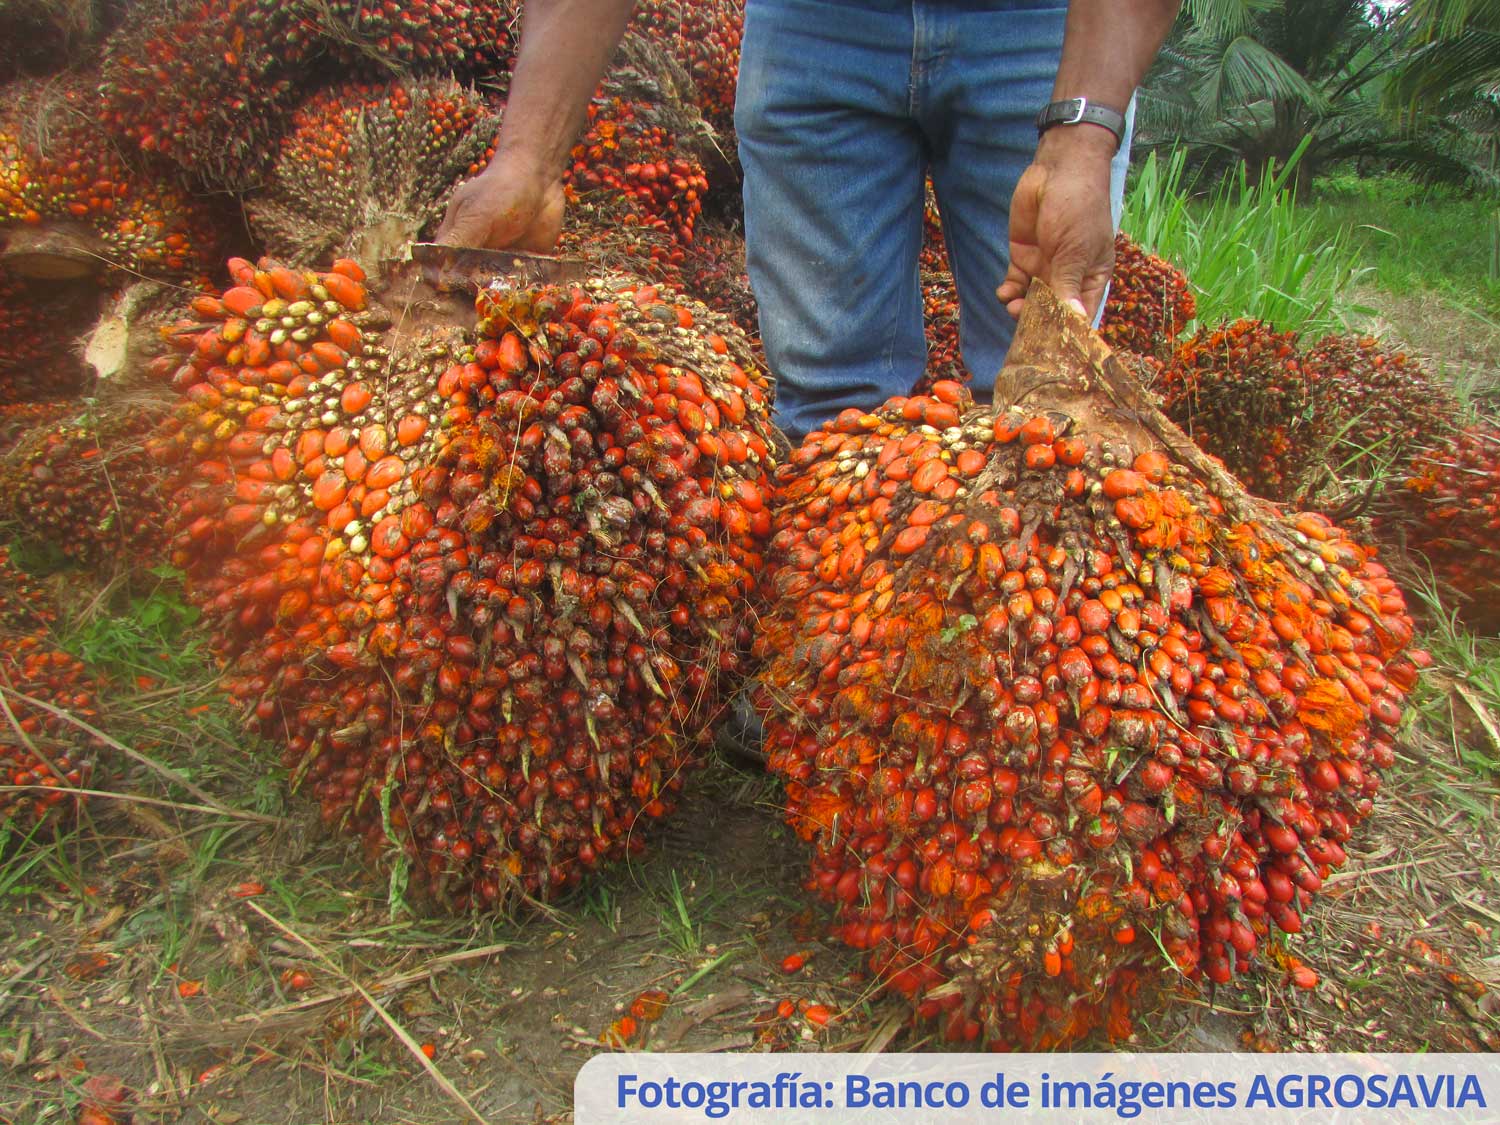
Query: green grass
<point x="1248" y="248"/>
<point x="126" y="632"/>
<point x="1460" y="706"/>
<point x="1419" y="239"/>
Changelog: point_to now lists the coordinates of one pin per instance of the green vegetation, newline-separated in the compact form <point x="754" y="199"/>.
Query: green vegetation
<point x="1255" y="80"/>
<point x="1420" y="239"/>
<point x="1247" y="248"/>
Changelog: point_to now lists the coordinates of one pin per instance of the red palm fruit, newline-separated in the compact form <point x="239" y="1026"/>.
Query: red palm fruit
<point x="490" y="603"/>
<point x="1445" y="511"/>
<point x="630" y="160"/>
<point x="39" y="325"/>
<point x="25" y="605"/>
<point x="1241" y="391"/>
<point x="42" y="39"/>
<point x="61" y="185"/>
<point x="940" y="323"/>
<point x="48" y="755"/>
<point x="703" y="36"/>
<point x="84" y="484"/>
<point x="1149" y="302"/>
<point x="1066" y="718"/>
<point x="210" y="83"/>
<point x="364" y="169"/>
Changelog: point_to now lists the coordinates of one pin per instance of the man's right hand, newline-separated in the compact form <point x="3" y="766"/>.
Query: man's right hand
<point x="505" y="207"/>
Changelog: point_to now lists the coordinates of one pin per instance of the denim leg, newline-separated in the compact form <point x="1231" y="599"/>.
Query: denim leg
<point x="833" y="169"/>
<point x="988" y="73"/>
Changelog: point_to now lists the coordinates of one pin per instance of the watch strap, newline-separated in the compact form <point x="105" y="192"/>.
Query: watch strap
<point x="1075" y="111"/>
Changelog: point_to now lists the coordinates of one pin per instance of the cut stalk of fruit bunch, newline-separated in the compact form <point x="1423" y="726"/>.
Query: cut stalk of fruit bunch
<point x="1065" y="714"/>
<point x="484" y="579"/>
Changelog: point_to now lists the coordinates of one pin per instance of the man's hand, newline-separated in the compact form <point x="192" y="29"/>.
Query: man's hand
<point x="1060" y="228"/>
<point x="505" y="207"/>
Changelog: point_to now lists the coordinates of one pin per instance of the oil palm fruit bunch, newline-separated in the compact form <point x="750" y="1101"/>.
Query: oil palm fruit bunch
<point x="47" y="751"/>
<point x="704" y="37"/>
<point x="471" y="38"/>
<point x="1064" y="712"/>
<point x="484" y="580"/>
<point x="626" y="155"/>
<point x="940" y="323"/>
<point x="1242" y="393"/>
<point x="42" y="37"/>
<point x="365" y="169"/>
<point x="71" y="205"/>
<point x="85" y="484"/>
<point x="1375" y="409"/>
<point x="25" y="605"/>
<point x="1447" y="511"/>
<point x="210" y="82"/>
<point x="17" y="420"/>
<point x="934" y="253"/>
<point x="714" y="272"/>
<point x="1149" y="302"/>
<point x="39" y="327"/>
<point x="37" y="747"/>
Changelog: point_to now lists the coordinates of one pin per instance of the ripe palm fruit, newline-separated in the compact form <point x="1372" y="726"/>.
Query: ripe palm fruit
<point x="37" y="747"/>
<point x="1149" y="302"/>
<point x="627" y="156"/>
<point x="1375" y="409"/>
<point x="85" y="484"/>
<point x="1240" y="390"/>
<point x="714" y="272"/>
<point x="364" y="169"/>
<point x="79" y="206"/>
<point x="940" y="323"/>
<point x="484" y="583"/>
<point x="1447" y="510"/>
<point x="704" y="37"/>
<point x="42" y="37"/>
<point x="25" y="606"/>
<point x="210" y="82"/>
<point x="39" y="326"/>
<point x="1062" y="710"/>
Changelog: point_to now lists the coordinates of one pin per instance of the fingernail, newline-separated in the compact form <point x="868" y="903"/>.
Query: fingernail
<point x="1076" y="305"/>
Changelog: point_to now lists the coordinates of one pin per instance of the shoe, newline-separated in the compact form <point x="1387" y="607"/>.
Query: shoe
<point x="741" y="736"/>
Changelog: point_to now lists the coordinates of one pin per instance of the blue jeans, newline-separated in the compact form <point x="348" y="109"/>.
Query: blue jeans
<point x="843" y="107"/>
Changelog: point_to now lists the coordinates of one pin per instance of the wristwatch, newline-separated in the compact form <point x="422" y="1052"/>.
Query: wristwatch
<point x="1074" y="111"/>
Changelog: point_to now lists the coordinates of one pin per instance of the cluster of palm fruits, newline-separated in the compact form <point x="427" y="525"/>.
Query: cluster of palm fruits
<point x="484" y="583"/>
<point x="631" y="159"/>
<point x="365" y="169"/>
<point x="940" y="323"/>
<point x="704" y="37"/>
<point x="1053" y="698"/>
<point x="55" y="172"/>
<point x="210" y="82"/>
<point x="1447" y="511"/>
<point x="84" y="484"/>
<point x="39" y="325"/>
<point x="1149" y="302"/>
<point x="1241" y="392"/>
<point x="39" y="33"/>
<point x="41" y="753"/>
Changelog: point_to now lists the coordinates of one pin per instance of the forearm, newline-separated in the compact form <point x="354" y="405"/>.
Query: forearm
<point x="565" y="48"/>
<point x="1108" y="46"/>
